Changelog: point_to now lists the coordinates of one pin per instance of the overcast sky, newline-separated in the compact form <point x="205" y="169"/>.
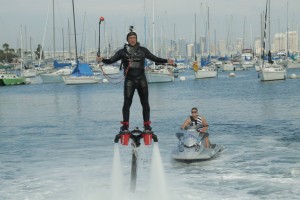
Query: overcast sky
<point x="170" y="15"/>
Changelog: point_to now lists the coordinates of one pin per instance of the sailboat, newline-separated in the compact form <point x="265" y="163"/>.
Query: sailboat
<point x="247" y="58"/>
<point x="82" y="72"/>
<point x="10" y="79"/>
<point x="61" y="69"/>
<point x="207" y="69"/>
<point x="270" y="71"/>
<point x="26" y="72"/>
<point x="158" y="73"/>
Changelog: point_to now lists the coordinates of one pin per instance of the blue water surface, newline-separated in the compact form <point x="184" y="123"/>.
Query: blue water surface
<point x="56" y="140"/>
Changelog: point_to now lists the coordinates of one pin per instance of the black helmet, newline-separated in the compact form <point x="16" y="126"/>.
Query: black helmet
<point x="131" y="32"/>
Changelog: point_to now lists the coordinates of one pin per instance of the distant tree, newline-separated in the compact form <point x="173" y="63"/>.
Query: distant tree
<point x="6" y="50"/>
<point x="18" y="52"/>
<point x="39" y="51"/>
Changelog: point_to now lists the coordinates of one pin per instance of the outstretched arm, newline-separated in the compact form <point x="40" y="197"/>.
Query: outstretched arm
<point x="111" y="60"/>
<point x="156" y="59"/>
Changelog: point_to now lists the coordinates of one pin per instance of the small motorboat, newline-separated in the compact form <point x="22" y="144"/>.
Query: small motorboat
<point x="191" y="147"/>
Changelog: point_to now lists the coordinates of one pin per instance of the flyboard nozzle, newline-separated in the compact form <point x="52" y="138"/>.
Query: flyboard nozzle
<point x="148" y="136"/>
<point x="117" y="138"/>
<point x="124" y="136"/>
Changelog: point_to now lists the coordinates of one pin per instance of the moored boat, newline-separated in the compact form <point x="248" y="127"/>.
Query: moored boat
<point x="11" y="79"/>
<point x="82" y="74"/>
<point x="159" y="74"/>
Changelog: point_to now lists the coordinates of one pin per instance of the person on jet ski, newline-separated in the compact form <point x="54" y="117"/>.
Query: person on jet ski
<point x="196" y="120"/>
<point x="133" y="59"/>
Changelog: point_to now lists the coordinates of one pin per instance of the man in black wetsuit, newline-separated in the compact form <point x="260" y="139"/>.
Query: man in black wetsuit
<point x="133" y="59"/>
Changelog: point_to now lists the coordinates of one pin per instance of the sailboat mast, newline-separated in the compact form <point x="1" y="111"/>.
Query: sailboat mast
<point x="145" y="24"/>
<point x="76" y="55"/>
<point x="215" y="42"/>
<point x="195" y="39"/>
<point x="208" y="30"/>
<point x="269" y="38"/>
<point x="287" y="29"/>
<point x="153" y="28"/>
<point x="69" y="33"/>
<point x="53" y="31"/>
<point x="244" y="32"/>
<point x="228" y="35"/>
<point x="21" y="38"/>
<point x="63" y="42"/>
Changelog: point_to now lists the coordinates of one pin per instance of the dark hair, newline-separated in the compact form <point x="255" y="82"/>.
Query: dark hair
<point x="194" y="108"/>
<point x="130" y="34"/>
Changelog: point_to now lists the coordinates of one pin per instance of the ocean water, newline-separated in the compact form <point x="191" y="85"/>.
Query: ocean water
<point x="56" y="140"/>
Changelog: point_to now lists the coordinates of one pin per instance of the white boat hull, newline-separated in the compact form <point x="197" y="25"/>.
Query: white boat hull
<point x="159" y="74"/>
<point x="206" y="73"/>
<point x="159" y="78"/>
<point x="272" y="74"/>
<point x="55" y="77"/>
<point x="247" y="64"/>
<point x="228" y="67"/>
<point x="29" y="73"/>
<point x="74" y="80"/>
<point x="293" y="65"/>
<point x="257" y="68"/>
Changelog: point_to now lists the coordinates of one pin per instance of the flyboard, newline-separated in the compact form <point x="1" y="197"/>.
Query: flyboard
<point x="135" y="136"/>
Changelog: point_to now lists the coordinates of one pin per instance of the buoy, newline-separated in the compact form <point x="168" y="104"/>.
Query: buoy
<point x="232" y="74"/>
<point x="293" y="76"/>
<point x="105" y="80"/>
<point x="182" y="78"/>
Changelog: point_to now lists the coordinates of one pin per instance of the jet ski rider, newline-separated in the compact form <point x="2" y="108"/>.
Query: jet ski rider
<point x="133" y="59"/>
<point x="196" y="119"/>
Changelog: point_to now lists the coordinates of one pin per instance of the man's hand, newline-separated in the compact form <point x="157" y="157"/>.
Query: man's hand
<point x="170" y="61"/>
<point x="99" y="59"/>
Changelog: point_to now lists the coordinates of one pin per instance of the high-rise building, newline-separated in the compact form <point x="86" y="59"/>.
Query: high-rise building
<point x="190" y="50"/>
<point x="222" y="47"/>
<point x="280" y="41"/>
<point x="257" y="46"/>
<point x="182" y="47"/>
<point x="239" y="45"/>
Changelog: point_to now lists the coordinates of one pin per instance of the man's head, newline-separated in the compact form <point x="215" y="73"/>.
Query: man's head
<point x="132" y="38"/>
<point x="194" y="111"/>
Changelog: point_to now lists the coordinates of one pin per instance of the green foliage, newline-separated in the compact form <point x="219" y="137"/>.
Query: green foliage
<point x="7" y="54"/>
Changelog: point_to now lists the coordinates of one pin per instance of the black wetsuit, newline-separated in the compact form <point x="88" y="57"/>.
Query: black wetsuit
<point x="133" y="59"/>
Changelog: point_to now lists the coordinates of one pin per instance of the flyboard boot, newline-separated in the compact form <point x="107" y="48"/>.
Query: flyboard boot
<point x="125" y="126"/>
<point x="147" y="126"/>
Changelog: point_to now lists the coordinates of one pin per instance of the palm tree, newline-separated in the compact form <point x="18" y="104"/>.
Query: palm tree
<point x="6" y="50"/>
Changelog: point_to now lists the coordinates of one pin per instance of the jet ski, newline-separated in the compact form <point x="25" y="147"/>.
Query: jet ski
<point x="191" y="146"/>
